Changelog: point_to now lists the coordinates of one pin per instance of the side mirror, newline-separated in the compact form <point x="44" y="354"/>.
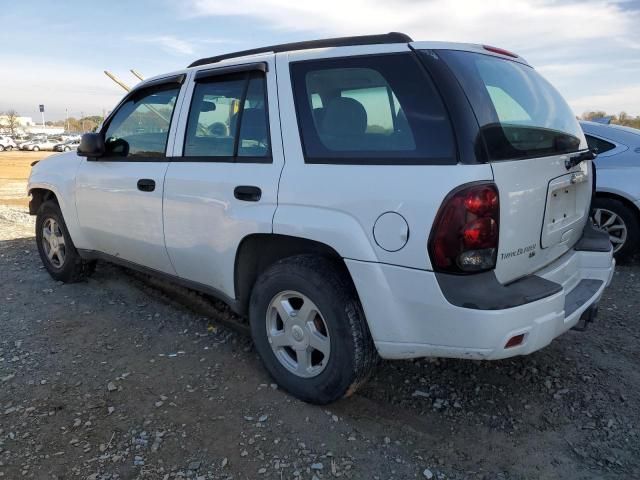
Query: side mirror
<point x="91" y="145"/>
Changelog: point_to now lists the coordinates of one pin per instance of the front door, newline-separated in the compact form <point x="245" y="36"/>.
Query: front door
<point x="119" y="195"/>
<point x="222" y="183"/>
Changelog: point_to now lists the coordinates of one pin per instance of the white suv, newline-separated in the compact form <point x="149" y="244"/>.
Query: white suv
<point x="354" y="198"/>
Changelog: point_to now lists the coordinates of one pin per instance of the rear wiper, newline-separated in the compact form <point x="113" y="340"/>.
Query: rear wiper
<point x="571" y="162"/>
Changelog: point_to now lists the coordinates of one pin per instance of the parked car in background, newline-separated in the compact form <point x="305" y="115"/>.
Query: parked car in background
<point x="617" y="202"/>
<point x="67" y="137"/>
<point x="7" y="143"/>
<point x="453" y="228"/>
<point x="66" y="146"/>
<point x="24" y="142"/>
<point x="41" y="144"/>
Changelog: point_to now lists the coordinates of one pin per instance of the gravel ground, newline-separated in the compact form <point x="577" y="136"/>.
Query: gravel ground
<point x="114" y="379"/>
<point x="15" y="222"/>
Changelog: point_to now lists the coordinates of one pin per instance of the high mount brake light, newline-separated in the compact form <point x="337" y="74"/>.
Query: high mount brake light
<point x="464" y="237"/>
<point x="499" y="51"/>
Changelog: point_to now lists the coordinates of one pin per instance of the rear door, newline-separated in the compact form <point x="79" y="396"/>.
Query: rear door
<point x="530" y="135"/>
<point x="222" y="183"/>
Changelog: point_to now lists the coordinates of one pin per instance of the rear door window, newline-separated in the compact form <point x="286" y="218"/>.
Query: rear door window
<point x="521" y="115"/>
<point x="379" y="109"/>
<point x="228" y="119"/>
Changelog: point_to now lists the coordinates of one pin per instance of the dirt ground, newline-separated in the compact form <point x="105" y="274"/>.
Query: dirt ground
<point x="14" y="170"/>
<point x="15" y="167"/>
<point x="114" y="378"/>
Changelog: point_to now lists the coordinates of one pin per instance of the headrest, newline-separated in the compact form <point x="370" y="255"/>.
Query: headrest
<point x="344" y="116"/>
<point x="254" y="124"/>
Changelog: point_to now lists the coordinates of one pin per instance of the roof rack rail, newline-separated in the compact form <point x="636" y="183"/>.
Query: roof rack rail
<point x="392" y="37"/>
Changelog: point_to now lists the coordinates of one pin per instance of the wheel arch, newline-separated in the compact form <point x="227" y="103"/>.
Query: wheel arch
<point x="622" y="199"/>
<point x="39" y="195"/>
<point x="257" y="252"/>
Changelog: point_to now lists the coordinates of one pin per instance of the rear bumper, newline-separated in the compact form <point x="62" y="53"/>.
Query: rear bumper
<point x="409" y="316"/>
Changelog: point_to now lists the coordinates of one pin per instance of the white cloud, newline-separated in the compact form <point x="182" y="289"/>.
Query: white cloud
<point x="615" y="101"/>
<point x="563" y="37"/>
<point x="168" y="43"/>
<point x="511" y="21"/>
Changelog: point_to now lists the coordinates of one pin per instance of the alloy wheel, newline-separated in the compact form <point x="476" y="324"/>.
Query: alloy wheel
<point x="298" y="334"/>
<point x="53" y="243"/>
<point x="613" y="224"/>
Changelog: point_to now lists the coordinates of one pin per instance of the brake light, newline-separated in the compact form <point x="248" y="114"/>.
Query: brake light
<point x="499" y="51"/>
<point x="464" y="237"/>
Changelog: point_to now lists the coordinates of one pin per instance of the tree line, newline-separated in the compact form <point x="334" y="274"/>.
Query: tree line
<point x="83" y="124"/>
<point x="9" y="123"/>
<point x="623" y="118"/>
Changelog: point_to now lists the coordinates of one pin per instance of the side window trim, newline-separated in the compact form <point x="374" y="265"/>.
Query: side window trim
<point x="218" y="75"/>
<point x="216" y="72"/>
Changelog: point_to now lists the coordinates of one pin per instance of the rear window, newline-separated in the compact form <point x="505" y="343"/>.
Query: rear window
<point x="520" y="114"/>
<point x="377" y="109"/>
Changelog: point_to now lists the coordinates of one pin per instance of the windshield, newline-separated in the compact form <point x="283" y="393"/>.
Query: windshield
<point x="520" y="114"/>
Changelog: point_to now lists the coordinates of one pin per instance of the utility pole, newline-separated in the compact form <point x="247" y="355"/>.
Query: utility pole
<point x="82" y="116"/>
<point x="66" y="120"/>
<point x="42" y="113"/>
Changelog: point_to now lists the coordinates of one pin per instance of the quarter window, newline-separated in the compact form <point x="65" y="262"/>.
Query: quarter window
<point x="379" y="109"/>
<point x="140" y="127"/>
<point x="599" y="144"/>
<point x="228" y="118"/>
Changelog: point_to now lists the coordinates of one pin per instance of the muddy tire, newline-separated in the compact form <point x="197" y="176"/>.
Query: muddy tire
<point x="310" y="330"/>
<point x="57" y="251"/>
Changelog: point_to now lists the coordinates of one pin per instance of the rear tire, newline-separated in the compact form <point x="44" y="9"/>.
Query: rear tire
<point x="57" y="251"/>
<point x="1" y="148"/>
<point x="345" y="356"/>
<point x="36" y="149"/>
<point x="621" y="223"/>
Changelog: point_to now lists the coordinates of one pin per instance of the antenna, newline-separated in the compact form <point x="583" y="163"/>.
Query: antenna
<point x="117" y="80"/>
<point x="137" y="74"/>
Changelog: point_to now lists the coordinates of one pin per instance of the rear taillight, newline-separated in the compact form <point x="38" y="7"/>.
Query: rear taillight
<point x="464" y="237"/>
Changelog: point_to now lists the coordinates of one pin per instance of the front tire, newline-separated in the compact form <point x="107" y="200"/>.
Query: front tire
<point x="1" y="148"/>
<point x="57" y="251"/>
<point x="35" y="149"/>
<point x="310" y="330"/>
<point x="621" y="223"/>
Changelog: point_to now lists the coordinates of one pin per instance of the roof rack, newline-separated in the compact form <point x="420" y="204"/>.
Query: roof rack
<point x="392" y="37"/>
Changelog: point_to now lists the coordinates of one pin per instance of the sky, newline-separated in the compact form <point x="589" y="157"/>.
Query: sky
<point x="54" y="53"/>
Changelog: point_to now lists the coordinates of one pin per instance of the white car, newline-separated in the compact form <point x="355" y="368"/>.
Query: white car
<point x="66" y="146"/>
<point x="40" y="144"/>
<point x="616" y="206"/>
<point x="7" y="143"/>
<point x="353" y="198"/>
